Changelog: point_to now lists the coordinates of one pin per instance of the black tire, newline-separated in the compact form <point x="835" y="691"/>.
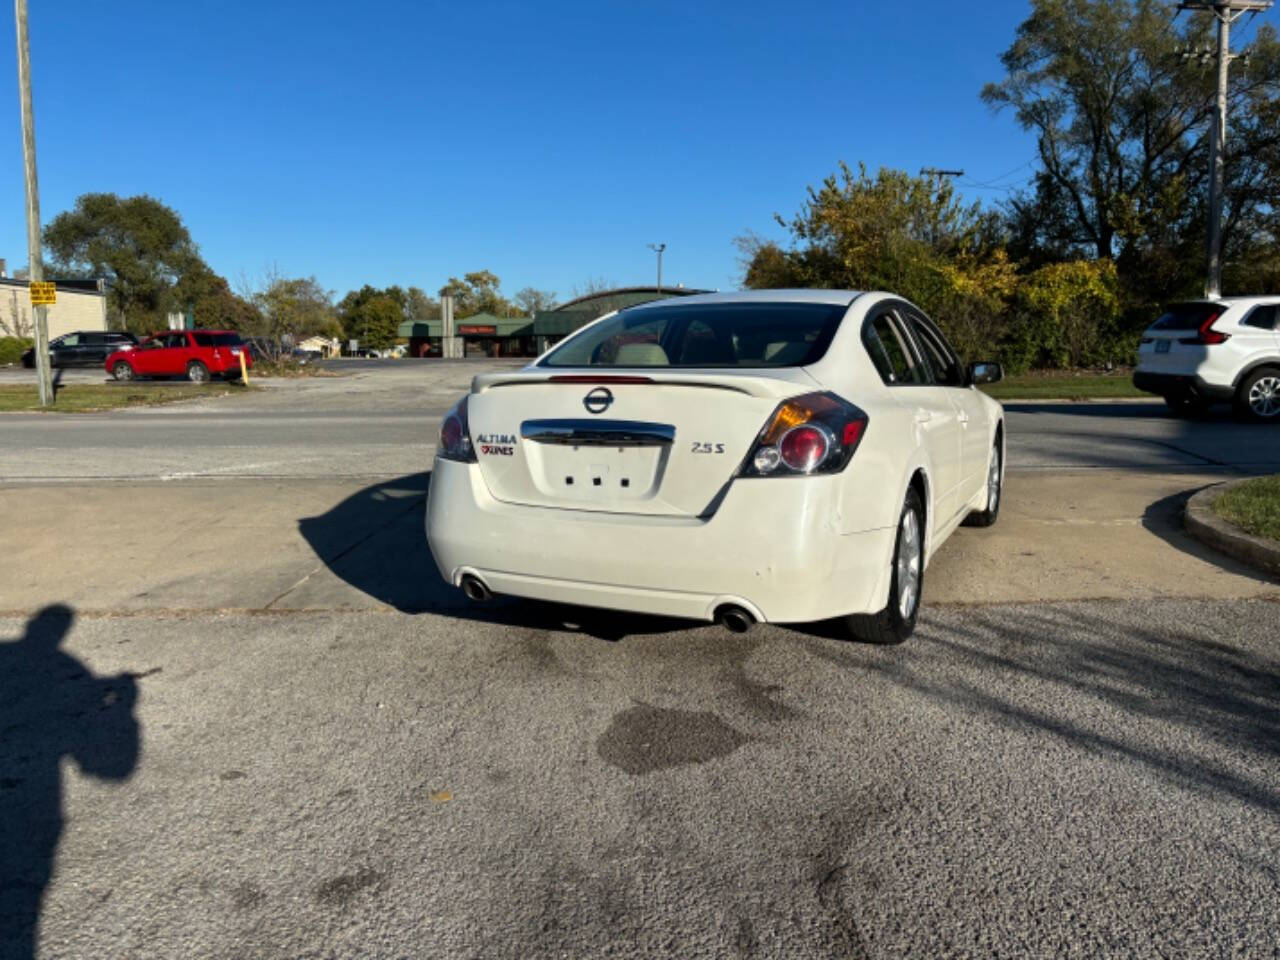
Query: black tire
<point x="121" y="370"/>
<point x="1258" y="398"/>
<point x="197" y="372"/>
<point x="1185" y="406"/>
<point x="892" y="625"/>
<point x="995" y="491"/>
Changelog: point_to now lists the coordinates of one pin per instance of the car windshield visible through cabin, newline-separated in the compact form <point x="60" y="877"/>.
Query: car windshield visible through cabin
<point x="710" y="335"/>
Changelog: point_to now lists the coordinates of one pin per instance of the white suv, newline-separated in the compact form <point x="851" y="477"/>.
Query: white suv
<point x="1225" y="350"/>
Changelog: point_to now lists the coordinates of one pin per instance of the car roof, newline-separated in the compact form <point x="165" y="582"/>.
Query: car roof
<point x="1239" y="301"/>
<point x="836" y="297"/>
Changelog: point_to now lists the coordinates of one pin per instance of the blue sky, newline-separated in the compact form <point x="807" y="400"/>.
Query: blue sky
<point x="402" y="142"/>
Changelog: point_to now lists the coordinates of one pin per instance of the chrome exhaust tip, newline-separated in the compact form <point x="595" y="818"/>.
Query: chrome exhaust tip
<point x="475" y="589"/>
<point x="734" y="619"/>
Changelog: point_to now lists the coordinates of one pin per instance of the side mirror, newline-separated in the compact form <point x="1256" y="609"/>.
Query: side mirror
<point x="985" y="372"/>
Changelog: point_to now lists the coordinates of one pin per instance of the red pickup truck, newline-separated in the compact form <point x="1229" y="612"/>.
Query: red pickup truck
<point x="197" y="355"/>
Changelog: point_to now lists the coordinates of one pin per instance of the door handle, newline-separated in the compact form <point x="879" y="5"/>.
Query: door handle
<point x="923" y="416"/>
<point x="963" y="418"/>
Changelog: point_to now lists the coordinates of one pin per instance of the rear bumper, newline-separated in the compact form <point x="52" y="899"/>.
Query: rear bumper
<point x="1181" y="385"/>
<point x="771" y="547"/>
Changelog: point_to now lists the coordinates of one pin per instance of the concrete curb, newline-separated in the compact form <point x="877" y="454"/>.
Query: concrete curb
<point x="1207" y="527"/>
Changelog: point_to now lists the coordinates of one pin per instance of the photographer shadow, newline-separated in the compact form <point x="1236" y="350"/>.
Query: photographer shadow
<point x="51" y="706"/>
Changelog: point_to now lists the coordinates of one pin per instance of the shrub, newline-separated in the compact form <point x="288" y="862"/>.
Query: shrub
<point x="12" y="348"/>
<point x="1068" y="315"/>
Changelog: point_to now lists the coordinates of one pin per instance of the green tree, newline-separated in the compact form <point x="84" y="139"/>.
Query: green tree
<point x="212" y="302"/>
<point x="1121" y="125"/>
<point x="372" y="316"/>
<point x="296" y="308"/>
<point x="531" y="300"/>
<point x="137" y="243"/>
<point x="419" y="307"/>
<point x="478" y="292"/>
<point x="895" y="232"/>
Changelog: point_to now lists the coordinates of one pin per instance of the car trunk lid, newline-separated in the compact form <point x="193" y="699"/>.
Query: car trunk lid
<point x="661" y="444"/>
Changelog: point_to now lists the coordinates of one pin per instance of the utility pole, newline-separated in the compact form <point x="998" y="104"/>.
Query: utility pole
<point x="658" y="248"/>
<point x="1226" y="13"/>
<point x="35" y="270"/>
<point x="938" y="174"/>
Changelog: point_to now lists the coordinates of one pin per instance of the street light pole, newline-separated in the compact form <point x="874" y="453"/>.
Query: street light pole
<point x="658" y="248"/>
<point x="35" y="269"/>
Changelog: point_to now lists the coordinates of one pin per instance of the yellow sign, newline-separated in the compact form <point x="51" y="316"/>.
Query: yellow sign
<point x="43" y="294"/>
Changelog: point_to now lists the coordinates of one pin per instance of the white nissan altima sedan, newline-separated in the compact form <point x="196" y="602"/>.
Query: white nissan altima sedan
<point x="781" y="456"/>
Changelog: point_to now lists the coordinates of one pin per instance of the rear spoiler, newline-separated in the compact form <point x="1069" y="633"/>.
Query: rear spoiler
<point x="780" y="382"/>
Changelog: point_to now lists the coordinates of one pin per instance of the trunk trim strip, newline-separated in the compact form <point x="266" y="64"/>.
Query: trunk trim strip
<point x="598" y="433"/>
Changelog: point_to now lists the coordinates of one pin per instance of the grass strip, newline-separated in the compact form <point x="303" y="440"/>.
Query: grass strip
<point x="1058" y="386"/>
<point x="94" y="398"/>
<point x="1254" y="507"/>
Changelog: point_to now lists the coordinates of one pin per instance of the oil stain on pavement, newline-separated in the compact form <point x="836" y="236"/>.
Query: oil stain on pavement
<point x="643" y="739"/>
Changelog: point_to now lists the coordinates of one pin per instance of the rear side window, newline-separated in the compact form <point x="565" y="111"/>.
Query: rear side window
<point x="1187" y="316"/>
<point x="217" y="339"/>
<point x="93" y="338"/>
<point x="888" y="346"/>
<point x="721" y="335"/>
<point x="1263" y="317"/>
<point x="938" y="356"/>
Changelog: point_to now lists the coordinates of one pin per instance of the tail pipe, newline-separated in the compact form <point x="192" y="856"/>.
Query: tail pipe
<point x="475" y="589"/>
<point x="734" y="618"/>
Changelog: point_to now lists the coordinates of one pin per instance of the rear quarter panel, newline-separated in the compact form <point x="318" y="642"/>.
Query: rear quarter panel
<point x="892" y="450"/>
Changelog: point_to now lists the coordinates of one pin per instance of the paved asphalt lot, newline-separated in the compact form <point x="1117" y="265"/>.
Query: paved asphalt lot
<point x="272" y="733"/>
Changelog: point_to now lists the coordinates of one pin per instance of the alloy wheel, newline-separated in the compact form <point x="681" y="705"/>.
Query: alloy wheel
<point x="1264" y="397"/>
<point x="909" y="555"/>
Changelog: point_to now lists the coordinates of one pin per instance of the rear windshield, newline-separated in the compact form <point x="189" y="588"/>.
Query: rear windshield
<point x="1187" y="316"/>
<point x="712" y="335"/>
<point x="218" y="339"/>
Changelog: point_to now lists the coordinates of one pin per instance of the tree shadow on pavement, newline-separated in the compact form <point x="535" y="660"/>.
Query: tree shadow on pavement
<point x="1185" y="696"/>
<point x="375" y="540"/>
<point x="51" y="706"/>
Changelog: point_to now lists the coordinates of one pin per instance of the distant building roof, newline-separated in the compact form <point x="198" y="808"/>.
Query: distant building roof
<point x="568" y="317"/>
<point x="71" y="286"/>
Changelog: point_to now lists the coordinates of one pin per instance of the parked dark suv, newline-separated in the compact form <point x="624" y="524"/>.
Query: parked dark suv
<point x="84" y="348"/>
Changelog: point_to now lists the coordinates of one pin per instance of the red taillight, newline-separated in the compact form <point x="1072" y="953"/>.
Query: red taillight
<point x="1206" y="335"/>
<point x="803" y="448"/>
<point x="455" y="438"/>
<point x="1211" y="336"/>
<point x="814" y="433"/>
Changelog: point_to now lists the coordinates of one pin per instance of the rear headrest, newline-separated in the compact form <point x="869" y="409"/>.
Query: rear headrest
<point x="641" y="355"/>
<point x="786" y="352"/>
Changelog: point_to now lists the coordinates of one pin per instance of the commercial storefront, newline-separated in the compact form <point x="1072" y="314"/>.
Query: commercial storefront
<point x="484" y="335"/>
